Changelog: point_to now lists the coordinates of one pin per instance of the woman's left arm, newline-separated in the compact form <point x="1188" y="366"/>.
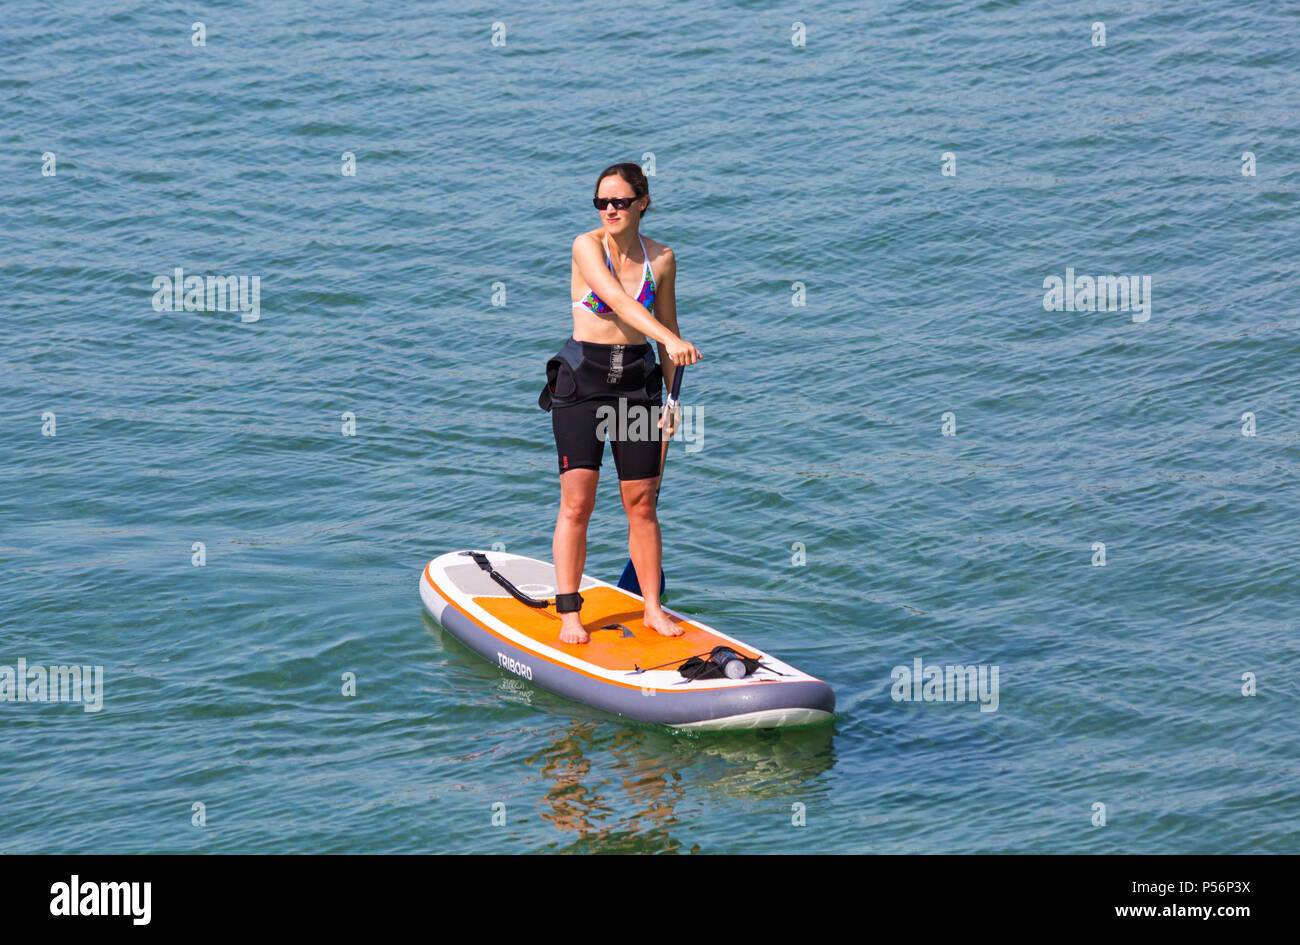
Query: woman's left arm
<point x="666" y="313"/>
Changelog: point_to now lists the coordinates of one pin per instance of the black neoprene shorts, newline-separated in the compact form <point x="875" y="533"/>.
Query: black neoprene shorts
<point x="578" y="446"/>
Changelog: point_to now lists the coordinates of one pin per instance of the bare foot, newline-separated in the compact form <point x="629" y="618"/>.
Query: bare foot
<point x="661" y="623"/>
<point x="572" y="631"/>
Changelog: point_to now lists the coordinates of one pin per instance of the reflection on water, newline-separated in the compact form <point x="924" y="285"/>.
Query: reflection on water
<point x="606" y="785"/>
<point x="631" y="812"/>
<point x="619" y="787"/>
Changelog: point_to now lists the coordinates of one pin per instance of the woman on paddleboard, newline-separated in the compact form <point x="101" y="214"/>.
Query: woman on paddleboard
<point x="604" y="383"/>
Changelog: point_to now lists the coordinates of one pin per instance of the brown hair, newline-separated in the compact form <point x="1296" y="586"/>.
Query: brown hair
<point x="633" y="175"/>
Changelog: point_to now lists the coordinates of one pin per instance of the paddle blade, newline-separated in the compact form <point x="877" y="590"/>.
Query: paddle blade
<point x="628" y="581"/>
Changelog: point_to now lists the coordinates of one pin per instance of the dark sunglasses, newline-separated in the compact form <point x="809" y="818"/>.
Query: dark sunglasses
<point x="620" y="203"/>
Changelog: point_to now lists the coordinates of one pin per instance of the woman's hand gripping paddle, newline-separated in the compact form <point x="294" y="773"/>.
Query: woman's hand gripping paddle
<point x="628" y="581"/>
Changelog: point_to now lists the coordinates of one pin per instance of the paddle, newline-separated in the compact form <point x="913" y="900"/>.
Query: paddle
<point x="628" y="581"/>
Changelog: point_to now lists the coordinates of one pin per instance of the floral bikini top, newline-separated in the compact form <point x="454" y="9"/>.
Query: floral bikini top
<point x="646" y="296"/>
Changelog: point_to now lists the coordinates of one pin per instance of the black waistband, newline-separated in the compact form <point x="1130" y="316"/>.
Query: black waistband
<point x="604" y="354"/>
<point x="585" y="370"/>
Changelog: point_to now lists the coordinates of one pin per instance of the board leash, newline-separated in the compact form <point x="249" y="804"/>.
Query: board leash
<point x="481" y="560"/>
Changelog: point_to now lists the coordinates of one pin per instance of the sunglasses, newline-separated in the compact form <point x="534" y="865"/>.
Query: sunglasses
<point x="620" y="203"/>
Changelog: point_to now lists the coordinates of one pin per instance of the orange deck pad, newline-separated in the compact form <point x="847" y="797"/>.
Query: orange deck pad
<point x="609" y="649"/>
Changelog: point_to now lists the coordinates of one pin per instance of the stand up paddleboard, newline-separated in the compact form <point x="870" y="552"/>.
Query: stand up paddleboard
<point x="627" y="668"/>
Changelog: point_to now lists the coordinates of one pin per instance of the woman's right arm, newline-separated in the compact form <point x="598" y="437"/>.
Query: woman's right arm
<point x="589" y="257"/>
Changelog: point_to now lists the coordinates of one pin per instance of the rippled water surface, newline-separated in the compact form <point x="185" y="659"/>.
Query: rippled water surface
<point x="774" y="164"/>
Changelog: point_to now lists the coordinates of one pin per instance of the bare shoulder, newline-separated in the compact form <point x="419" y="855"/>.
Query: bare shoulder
<point x="590" y="237"/>
<point x="660" y="254"/>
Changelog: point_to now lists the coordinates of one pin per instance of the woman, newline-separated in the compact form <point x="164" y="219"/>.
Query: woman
<point x="606" y="372"/>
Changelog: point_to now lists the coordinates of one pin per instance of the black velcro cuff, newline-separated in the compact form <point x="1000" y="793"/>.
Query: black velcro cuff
<point x="568" y="603"/>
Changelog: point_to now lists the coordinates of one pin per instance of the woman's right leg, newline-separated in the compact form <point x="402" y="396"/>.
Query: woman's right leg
<point x="577" y="499"/>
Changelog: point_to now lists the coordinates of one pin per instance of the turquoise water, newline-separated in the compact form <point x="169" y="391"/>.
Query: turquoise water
<point x="773" y="164"/>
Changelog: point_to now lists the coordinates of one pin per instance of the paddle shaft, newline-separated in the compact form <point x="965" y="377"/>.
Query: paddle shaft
<point x="629" y="580"/>
<point x="663" y="447"/>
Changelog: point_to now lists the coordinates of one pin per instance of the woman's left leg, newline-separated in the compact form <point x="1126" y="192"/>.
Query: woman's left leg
<point x="645" y="546"/>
